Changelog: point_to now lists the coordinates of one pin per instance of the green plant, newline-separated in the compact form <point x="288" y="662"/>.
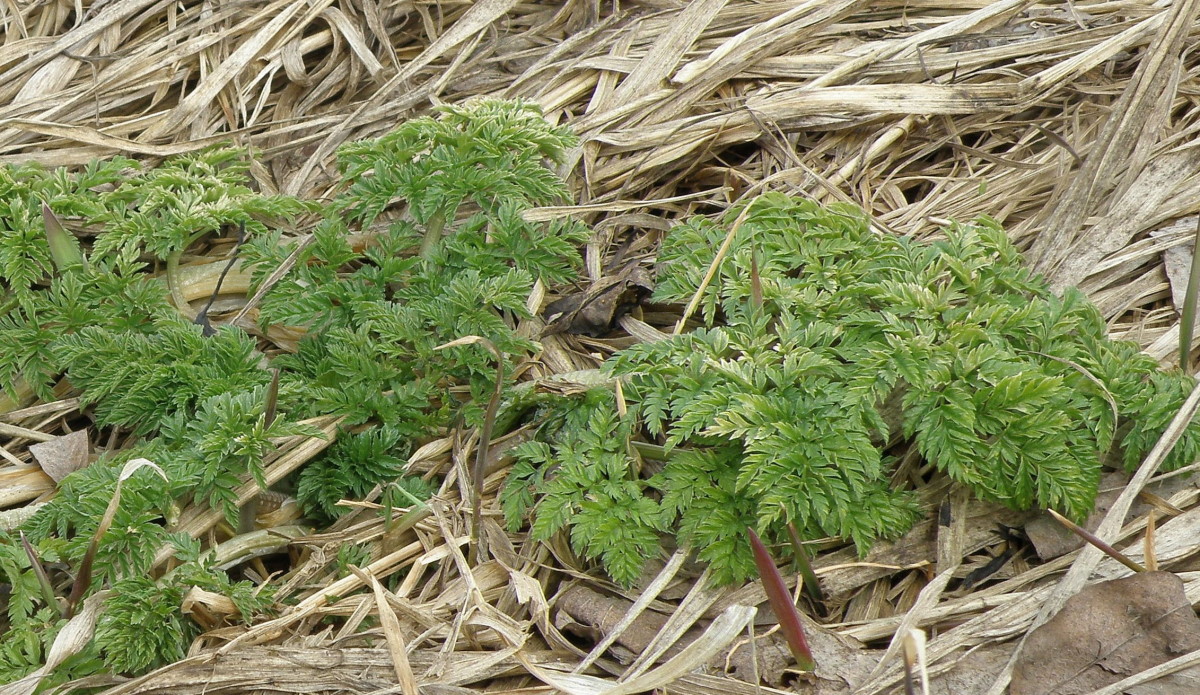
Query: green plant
<point x="31" y="624"/>
<point x="424" y="243"/>
<point x="352" y="555"/>
<point x="141" y="626"/>
<point x="354" y="465"/>
<point x="456" y="258"/>
<point x="826" y="349"/>
<point x="587" y="480"/>
<point x="139" y="217"/>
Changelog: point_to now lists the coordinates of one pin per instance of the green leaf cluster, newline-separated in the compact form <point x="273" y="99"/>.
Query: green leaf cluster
<point x="135" y="217"/>
<point x="142" y="628"/>
<point x="163" y="210"/>
<point x="30" y="623"/>
<point x="25" y="260"/>
<point x="119" y="303"/>
<point x="586" y="478"/>
<point x="139" y="628"/>
<point x="827" y="348"/>
<point x="355" y="464"/>
<point x="424" y="242"/>
<point x="825" y="351"/>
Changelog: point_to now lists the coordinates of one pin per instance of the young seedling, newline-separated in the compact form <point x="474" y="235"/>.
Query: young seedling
<point x="781" y="602"/>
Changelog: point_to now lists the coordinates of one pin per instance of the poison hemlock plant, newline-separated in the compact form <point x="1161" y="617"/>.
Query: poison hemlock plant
<point x="31" y="625"/>
<point x="454" y="258"/>
<point x="163" y="210"/>
<point x="789" y="409"/>
<point x="142" y="628"/>
<point x="97" y="317"/>
<point x="138" y="217"/>
<point x="784" y="409"/>
<point x="355" y="464"/>
<point x="424" y="244"/>
<point x="588" y="482"/>
<point x="25" y="259"/>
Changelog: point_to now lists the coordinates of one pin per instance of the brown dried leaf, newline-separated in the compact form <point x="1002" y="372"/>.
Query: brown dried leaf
<point x="1109" y="631"/>
<point x="596" y="310"/>
<point x="63" y="455"/>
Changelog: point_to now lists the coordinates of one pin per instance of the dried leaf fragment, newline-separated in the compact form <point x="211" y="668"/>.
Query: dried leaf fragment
<point x="63" y="455"/>
<point x="594" y="311"/>
<point x="1109" y="631"/>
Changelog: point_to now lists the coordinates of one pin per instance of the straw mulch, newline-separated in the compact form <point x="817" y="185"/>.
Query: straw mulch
<point x="1074" y="124"/>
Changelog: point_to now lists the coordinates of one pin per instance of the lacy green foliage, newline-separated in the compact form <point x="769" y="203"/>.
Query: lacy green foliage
<point x="32" y="625"/>
<point x="425" y="243"/>
<point x="143" y="380"/>
<point x="595" y="488"/>
<point x="68" y="523"/>
<point x="141" y="626"/>
<point x="351" y="555"/>
<point x="459" y="259"/>
<point x="140" y="215"/>
<point x="475" y="169"/>
<point x="780" y="411"/>
<point x="121" y="301"/>
<point x="225" y="439"/>
<point x="30" y="622"/>
<point x="455" y="259"/>
<point x="25" y="259"/>
<point x="354" y="465"/>
<point x="206" y="454"/>
<point x="163" y="210"/>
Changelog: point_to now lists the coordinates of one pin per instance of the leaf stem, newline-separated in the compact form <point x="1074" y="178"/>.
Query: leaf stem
<point x="433" y="234"/>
